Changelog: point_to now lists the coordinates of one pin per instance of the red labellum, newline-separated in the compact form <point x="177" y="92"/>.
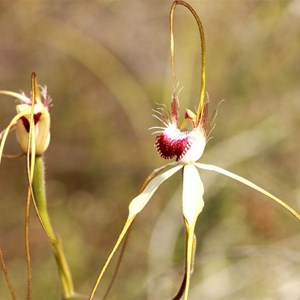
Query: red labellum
<point x="186" y="146"/>
<point x="172" y="142"/>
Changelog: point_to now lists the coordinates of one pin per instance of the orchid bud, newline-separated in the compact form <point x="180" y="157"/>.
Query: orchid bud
<point x="41" y="120"/>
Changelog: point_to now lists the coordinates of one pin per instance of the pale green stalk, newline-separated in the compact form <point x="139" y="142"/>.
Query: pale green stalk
<point x="38" y="186"/>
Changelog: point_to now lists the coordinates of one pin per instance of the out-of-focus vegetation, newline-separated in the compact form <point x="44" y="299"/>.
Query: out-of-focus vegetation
<point x="106" y="63"/>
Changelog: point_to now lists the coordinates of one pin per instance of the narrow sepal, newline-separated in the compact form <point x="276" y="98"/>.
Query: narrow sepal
<point x="249" y="184"/>
<point x="139" y="202"/>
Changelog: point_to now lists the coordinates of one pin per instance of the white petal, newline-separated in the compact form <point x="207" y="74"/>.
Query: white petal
<point x="192" y="194"/>
<point x="248" y="183"/>
<point x="192" y="205"/>
<point x="139" y="202"/>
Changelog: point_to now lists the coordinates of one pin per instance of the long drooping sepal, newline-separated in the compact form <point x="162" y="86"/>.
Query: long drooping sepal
<point x="127" y="235"/>
<point x="192" y="205"/>
<point x="249" y="184"/>
<point x="135" y="207"/>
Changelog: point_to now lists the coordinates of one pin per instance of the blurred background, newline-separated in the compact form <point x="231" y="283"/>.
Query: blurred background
<point x="106" y="64"/>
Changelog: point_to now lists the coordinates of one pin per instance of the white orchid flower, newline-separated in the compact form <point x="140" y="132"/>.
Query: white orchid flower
<point x="187" y="147"/>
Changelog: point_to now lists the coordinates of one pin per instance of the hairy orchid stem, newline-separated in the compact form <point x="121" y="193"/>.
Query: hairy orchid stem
<point x="203" y="52"/>
<point x="38" y="185"/>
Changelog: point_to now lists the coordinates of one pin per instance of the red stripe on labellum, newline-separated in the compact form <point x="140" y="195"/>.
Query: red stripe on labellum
<point x="36" y="118"/>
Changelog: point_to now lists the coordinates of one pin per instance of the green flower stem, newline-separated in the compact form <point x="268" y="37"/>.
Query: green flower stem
<point x="38" y="186"/>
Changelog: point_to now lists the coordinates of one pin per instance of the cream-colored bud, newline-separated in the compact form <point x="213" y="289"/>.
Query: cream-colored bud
<point x="42" y="128"/>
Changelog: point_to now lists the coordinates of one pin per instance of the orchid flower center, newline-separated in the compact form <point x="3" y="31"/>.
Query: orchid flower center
<point x="186" y="146"/>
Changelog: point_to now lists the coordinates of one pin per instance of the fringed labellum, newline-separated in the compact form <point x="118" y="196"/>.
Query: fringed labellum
<point x="186" y="146"/>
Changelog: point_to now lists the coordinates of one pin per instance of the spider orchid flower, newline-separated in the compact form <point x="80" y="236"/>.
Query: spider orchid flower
<point x="187" y="148"/>
<point x="21" y="121"/>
